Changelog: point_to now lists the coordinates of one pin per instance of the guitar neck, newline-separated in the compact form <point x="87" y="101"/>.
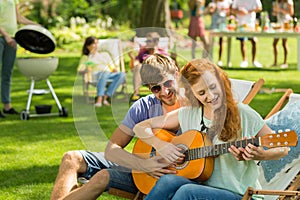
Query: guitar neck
<point x="218" y="149"/>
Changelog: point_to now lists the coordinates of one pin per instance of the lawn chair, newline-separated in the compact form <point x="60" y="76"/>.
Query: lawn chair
<point x="244" y="90"/>
<point x="280" y="179"/>
<point x="114" y="48"/>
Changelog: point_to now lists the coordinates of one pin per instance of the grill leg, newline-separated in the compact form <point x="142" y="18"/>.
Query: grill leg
<point x="30" y="96"/>
<point x="53" y="94"/>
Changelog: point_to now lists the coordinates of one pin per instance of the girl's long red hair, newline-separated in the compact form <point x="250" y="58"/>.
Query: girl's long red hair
<point x="229" y="127"/>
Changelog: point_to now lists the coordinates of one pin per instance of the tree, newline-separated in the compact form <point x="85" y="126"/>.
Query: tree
<point x="154" y="13"/>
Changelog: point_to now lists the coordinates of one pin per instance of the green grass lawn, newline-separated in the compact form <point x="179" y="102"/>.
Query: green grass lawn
<point x="31" y="150"/>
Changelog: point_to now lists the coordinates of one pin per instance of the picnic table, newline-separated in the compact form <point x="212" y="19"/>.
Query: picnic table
<point x="249" y="34"/>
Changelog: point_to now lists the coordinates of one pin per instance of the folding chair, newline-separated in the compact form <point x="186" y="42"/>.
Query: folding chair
<point x="114" y="48"/>
<point x="244" y="90"/>
<point x="281" y="179"/>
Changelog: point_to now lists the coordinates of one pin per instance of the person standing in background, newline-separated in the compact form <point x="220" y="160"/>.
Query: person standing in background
<point x="283" y="10"/>
<point x="245" y="11"/>
<point x="219" y="10"/>
<point x="197" y="26"/>
<point x="10" y="16"/>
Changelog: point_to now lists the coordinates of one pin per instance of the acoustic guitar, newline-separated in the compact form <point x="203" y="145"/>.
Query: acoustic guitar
<point x="199" y="153"/>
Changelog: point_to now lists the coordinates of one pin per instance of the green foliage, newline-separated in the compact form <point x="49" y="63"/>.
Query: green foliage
<point x="70" y="8"/>
<point x="123" y="11"/>
<point x="80" y="29"/>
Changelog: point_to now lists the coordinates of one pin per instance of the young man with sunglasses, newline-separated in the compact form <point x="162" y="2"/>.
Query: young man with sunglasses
<point x="159" y="73"/>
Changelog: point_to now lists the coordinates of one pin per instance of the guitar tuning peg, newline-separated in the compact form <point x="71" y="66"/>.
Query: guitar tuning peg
<point x="287" y="130"/>
<point x="273" y="132"/>
<point x="280" y="131"/>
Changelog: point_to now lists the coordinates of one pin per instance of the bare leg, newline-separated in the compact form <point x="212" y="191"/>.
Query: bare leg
<point x="243" y="50"/>
<point x="105" y="100"/>
<point x="221" y="48"/>
<point x="285" y="50"/>
<point x="93" y="189"/>
<point x="253" y="42"/>
<point x="206" y="46"/>
<point x="99" y="99"/>
<point x="194" y="44"/>
<point x="66" y="180"/>
<point x="7" y="106"/>
<point x="275" y="51"/>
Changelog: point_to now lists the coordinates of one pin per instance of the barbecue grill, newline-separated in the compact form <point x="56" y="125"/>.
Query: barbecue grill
<point x="38" y="40"/>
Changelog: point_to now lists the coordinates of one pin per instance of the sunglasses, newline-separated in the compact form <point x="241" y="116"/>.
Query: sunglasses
<point x="157" y="88"/>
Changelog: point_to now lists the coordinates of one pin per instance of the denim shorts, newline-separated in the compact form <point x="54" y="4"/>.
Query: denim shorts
<point x="243" y="38"/>
<point x="120" y="177"/>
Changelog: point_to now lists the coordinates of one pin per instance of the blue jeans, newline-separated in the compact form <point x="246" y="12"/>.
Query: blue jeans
<point x="7" y="60"/>
<point x="103" y="77"/>
<point x="179" y="188"/>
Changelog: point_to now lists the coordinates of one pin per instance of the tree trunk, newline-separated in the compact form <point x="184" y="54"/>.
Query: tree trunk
<point x="155" y="15"/>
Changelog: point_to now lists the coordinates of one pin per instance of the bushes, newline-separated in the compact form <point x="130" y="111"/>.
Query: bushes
<point x="80" y="29"/>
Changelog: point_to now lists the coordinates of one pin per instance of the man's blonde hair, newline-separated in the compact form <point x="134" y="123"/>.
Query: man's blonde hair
<point x="155" y="68"/>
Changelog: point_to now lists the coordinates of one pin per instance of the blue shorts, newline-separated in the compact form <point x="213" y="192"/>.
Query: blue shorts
<point x="242" y="39"/>
<point x="120" y="177"/>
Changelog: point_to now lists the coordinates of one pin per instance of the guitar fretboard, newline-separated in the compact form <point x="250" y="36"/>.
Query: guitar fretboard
<point x="218" y="149"/>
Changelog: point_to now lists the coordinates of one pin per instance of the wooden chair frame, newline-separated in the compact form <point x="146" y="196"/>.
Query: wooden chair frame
<point x="283" y="194"/>
<point x="246" y="95"/>
<point x="125" y="194"/>
<point x="282" y="101"/>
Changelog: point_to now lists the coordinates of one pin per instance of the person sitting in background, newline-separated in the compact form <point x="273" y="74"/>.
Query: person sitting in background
<point x="10" y="16"/>
<point x="283" y="10"/>
<point x="219" y="10"/>
<point x="245" y="11"/>
<point x="152" y="40"/>
<point x="213" y="111"/>
<point x="102" y="69"/>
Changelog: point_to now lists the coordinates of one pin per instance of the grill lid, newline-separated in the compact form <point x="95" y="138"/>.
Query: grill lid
<point x="35" y="39"/>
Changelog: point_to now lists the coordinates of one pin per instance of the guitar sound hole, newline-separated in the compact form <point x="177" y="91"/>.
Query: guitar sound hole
<point x="182" y="164"/>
